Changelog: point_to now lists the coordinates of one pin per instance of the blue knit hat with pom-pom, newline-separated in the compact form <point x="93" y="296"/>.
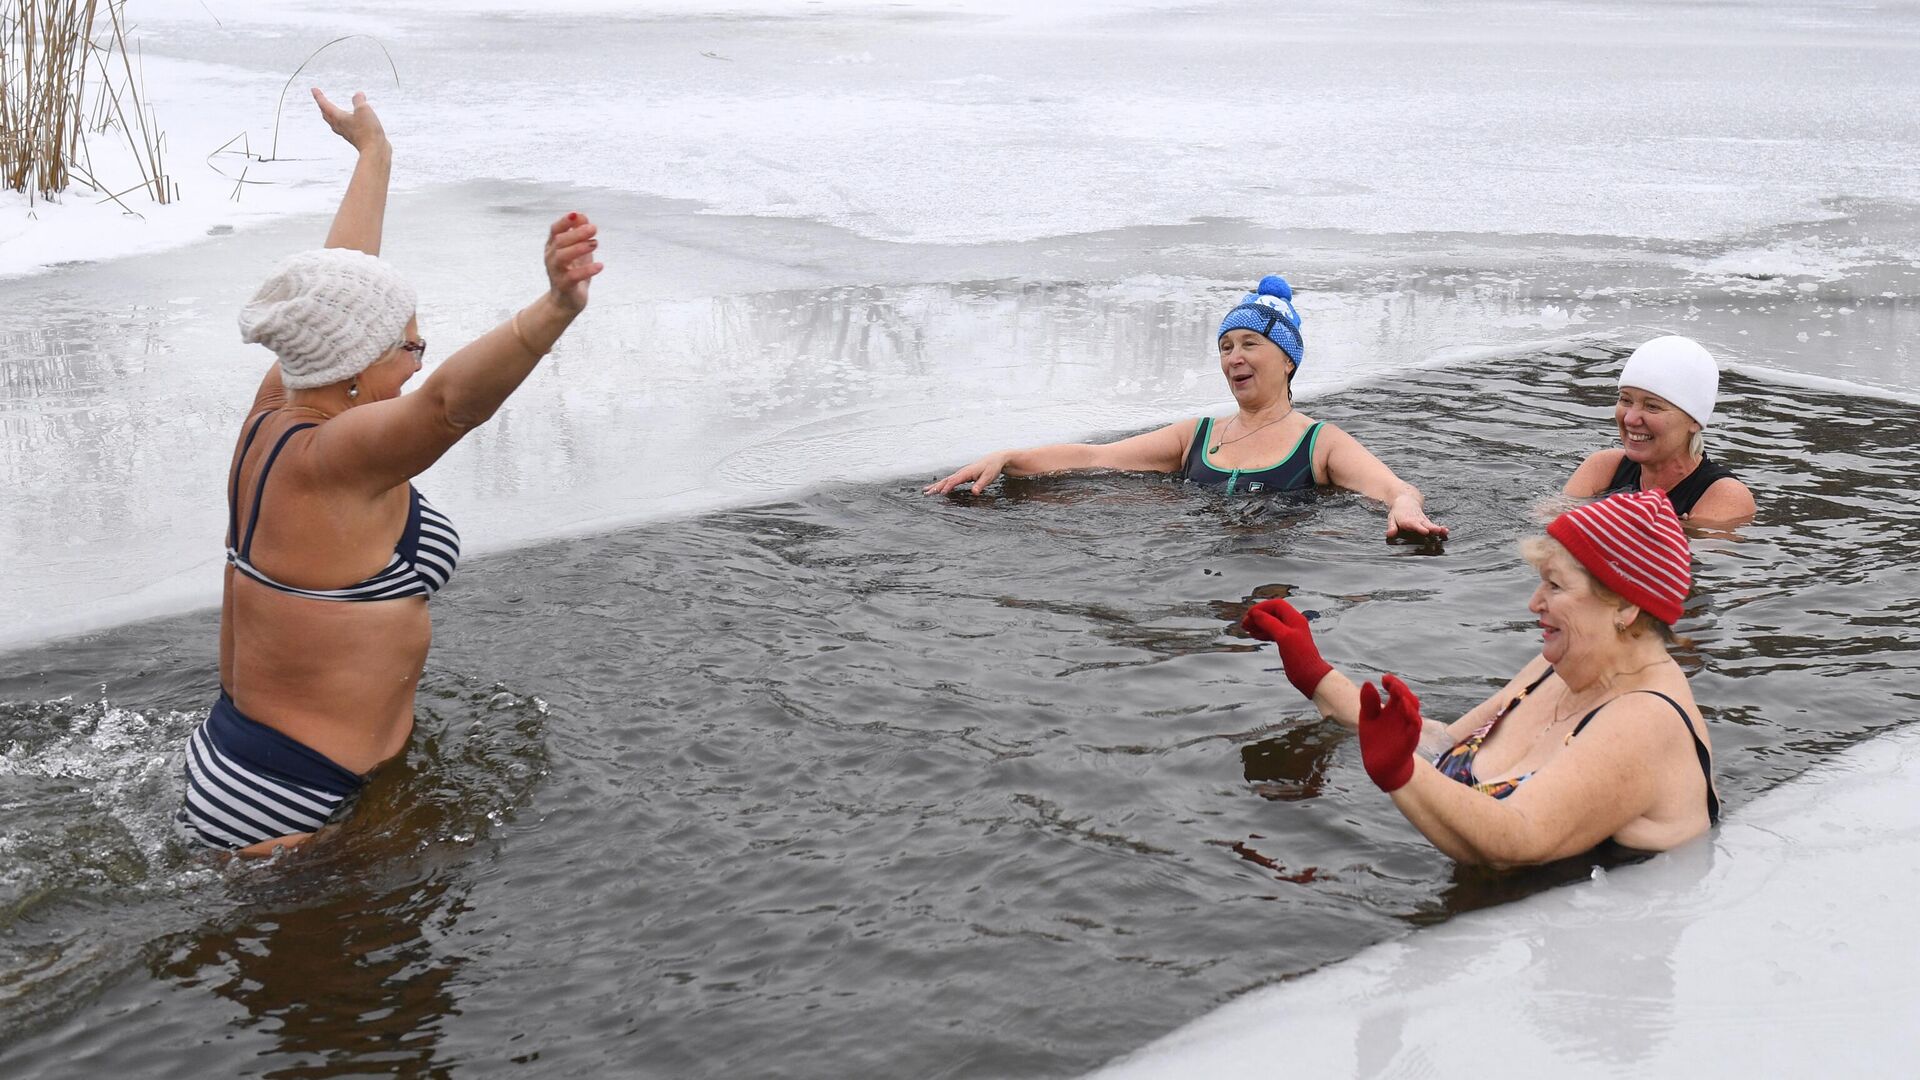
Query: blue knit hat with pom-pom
<point x="1268" y="311"/>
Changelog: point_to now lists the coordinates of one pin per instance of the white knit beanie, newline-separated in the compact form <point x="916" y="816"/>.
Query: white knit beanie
<point x="328" y="314"/>
<point x="1678" y="369"/>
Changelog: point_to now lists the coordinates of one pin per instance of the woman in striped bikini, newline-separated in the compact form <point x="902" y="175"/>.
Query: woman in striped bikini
<point x="1266" y="446"/>
<point x="331" y="551"/>
<point x="1597" y="739"/>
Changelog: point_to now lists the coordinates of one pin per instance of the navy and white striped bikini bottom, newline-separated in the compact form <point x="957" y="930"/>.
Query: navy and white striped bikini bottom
<point x="247" y="782"/>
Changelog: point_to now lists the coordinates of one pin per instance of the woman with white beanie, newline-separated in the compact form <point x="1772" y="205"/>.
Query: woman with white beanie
<point x="1667" y="391"/>
<point x="331" y="553"/>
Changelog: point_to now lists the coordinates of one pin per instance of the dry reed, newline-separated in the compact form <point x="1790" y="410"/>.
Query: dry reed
<point x="46" y="47"/>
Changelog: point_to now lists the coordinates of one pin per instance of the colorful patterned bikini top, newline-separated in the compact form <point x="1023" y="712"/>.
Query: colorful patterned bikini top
<point x="1457" y="762"/>
<point x="423" y="558"/>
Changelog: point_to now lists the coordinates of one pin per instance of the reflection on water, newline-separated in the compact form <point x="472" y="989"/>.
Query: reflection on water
<point x="376" y="1004"/>
<point x="869" y="783"/>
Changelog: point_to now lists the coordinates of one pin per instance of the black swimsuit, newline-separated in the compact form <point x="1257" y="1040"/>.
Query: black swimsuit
<point x="1684" y="494"/>
<point x="1294" y="473"/>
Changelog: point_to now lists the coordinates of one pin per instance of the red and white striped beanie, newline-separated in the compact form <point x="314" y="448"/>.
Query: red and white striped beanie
<point x="1633" y="543"/>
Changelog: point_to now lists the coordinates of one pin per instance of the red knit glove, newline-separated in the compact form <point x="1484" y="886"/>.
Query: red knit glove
<point x="1389" y="733"/>
<point x="1276" y="621"/>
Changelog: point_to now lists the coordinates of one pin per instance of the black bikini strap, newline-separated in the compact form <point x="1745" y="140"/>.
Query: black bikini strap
<point x="1700" y="751"/>
<point x="1699" y="747"/>
<point x="259" y="489"/>
<point x="233" y="482"/>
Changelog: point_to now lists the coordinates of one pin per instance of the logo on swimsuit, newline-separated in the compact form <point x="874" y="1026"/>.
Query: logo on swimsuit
<point x="1256" y="488"/>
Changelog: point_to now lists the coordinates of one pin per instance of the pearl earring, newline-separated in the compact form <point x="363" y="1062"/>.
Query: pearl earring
<point x="353" y="390"/>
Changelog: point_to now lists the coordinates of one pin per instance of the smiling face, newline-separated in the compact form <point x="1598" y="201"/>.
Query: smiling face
<point x="1256" y="368"/>
<point x="1573" y="615"/>
<point x="1652" y="429"/>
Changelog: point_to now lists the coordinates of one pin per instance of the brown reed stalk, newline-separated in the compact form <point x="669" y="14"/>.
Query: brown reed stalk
<point x="45" y="46"/>
<point x="143" y="137"/>
<point x="43" y="54"/>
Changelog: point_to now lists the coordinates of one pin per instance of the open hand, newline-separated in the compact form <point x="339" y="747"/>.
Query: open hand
<point x="1278" y="622"/>
<point x="982" y="473"/>
<point x="1406" y="518"/>
<point x="361" y="128"/>
<point x="569" y="258"/>
<point x="1389" y="733"/>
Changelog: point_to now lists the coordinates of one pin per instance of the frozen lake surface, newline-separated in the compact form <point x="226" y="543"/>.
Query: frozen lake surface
<point x="862" y="242"/>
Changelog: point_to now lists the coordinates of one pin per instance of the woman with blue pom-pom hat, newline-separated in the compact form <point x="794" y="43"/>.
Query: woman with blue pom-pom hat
<point x="1265" y="445"/>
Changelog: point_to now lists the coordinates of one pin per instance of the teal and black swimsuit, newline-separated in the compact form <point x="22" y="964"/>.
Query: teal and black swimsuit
<point x="1294" y="473"/>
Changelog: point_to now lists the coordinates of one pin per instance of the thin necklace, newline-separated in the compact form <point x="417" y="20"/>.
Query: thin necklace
<point x="1555" y="722"/>
<point x="308" y="408"/>
<point x="1215" y="448"/>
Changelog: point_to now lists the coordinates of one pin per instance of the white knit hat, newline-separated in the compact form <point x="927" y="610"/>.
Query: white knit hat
<point x="328" y="314"/>
<point x="1678" y="369"/>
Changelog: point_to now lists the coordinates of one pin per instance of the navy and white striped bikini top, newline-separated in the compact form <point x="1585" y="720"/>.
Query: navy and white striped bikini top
<point x="423" y="558"/>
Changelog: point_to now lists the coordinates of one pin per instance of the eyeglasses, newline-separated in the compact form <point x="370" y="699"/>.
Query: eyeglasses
<point x="415" y="347"/>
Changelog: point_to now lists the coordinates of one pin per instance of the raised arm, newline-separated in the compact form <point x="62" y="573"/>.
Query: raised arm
<point x="1332" y="693"/>
<point x="1154" y="451"/>
<point x="1352" y="466"/>
<point x="363" y="210"/>
<point x="383" y="444"/>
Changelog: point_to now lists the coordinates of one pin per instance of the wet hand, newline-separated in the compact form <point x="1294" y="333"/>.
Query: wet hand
<point x="1389" y="733"/>
<point x="982" y="473"/>
<point x="361" y="128"/>
<point x="1278" y="622"/>
<point x="1406" y="518"/>
<point x="569" y="258"/>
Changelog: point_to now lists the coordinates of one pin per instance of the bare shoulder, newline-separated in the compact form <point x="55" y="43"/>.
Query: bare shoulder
<point x="1593" y="474"/>
<point x="1725" y="502"/>
<point x="1329" y="438"/>
<point x="1652" y="717"/>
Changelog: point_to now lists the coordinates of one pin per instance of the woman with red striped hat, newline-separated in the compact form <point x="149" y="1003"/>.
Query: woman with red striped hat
<point x="1597" y="739"/>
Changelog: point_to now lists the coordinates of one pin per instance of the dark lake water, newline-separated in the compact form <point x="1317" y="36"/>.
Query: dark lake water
<point x="872" y="784"/>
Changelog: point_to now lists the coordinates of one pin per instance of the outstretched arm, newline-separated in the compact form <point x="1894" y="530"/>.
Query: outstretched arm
<point x="1352" y="466"/>
<point x="363" y="211"/>
<point x="383" y="444"/>
<point x="1333" y="694"/>
<point x="1154" y="451"/>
